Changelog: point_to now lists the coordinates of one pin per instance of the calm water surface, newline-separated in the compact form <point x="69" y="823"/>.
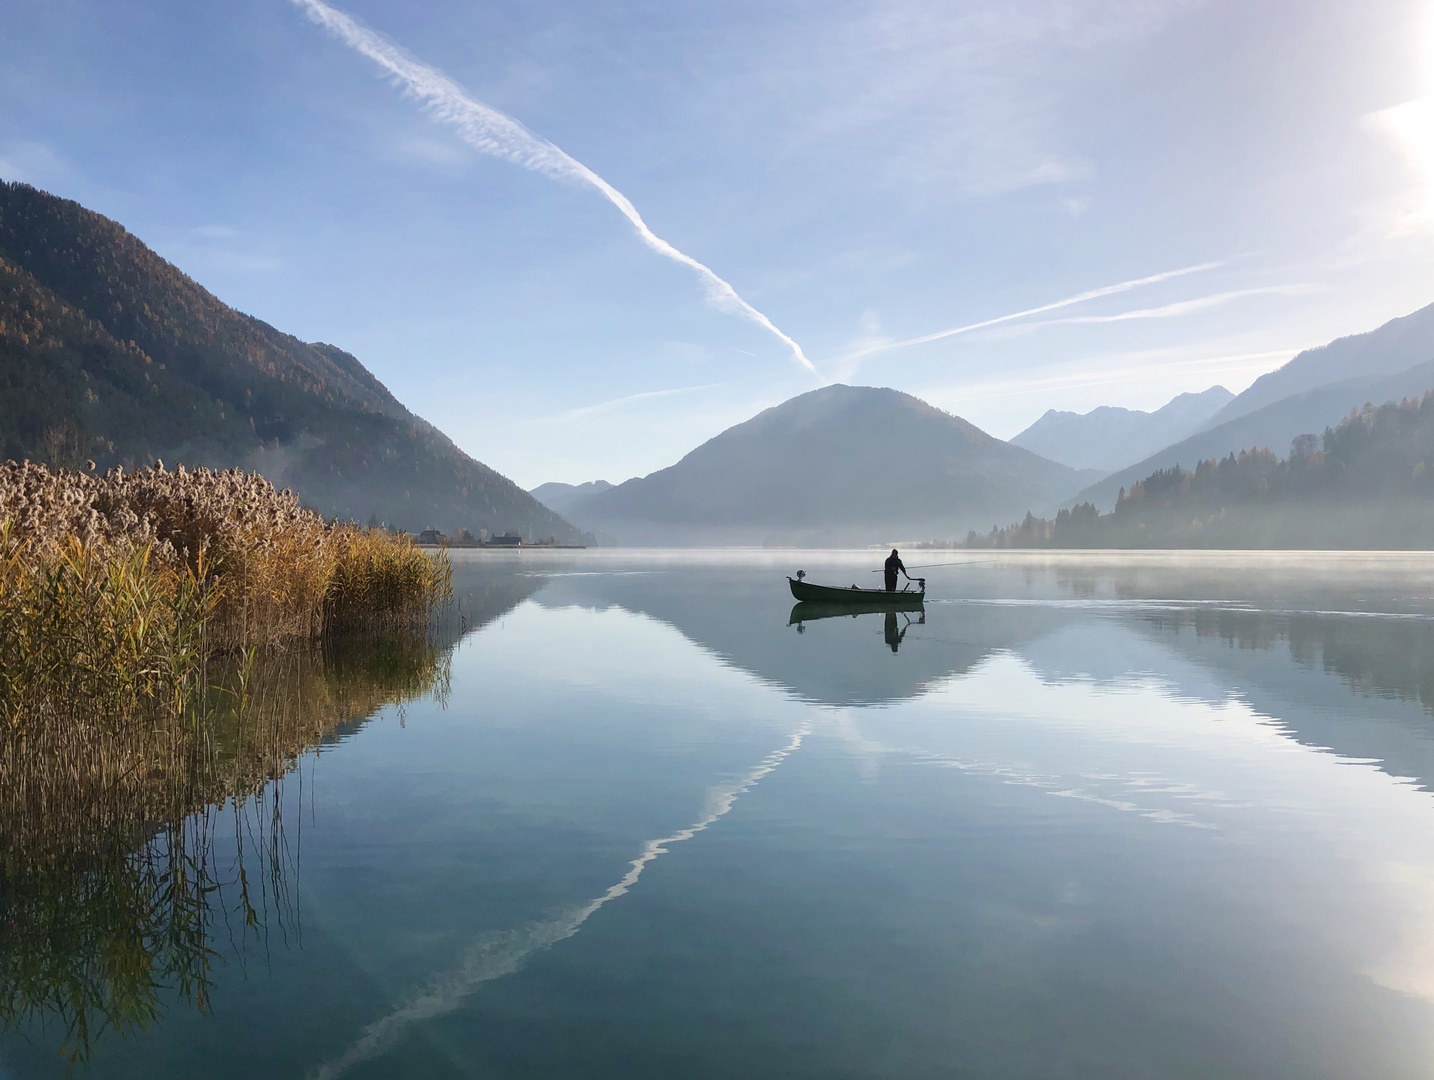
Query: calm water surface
<point x="1093" y="816"/>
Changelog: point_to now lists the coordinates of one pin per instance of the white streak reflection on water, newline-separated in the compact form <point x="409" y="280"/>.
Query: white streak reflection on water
<point x="495" y="955"/>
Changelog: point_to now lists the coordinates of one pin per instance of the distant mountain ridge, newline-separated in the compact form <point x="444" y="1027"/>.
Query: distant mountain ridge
<point x="109" y="352"/>
<point x="1109" y="438"/>
<point x="839" y="465"/>
<point x="1394" y="361"/>
<point x="561" y="498"/>
<point x="1395" y="346"/>
<point x="1366" y="483"/>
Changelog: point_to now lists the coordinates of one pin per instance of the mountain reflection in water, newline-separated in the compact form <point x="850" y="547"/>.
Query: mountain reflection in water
<point x="1262" y="624"/>
<point x="1083" y="816"/>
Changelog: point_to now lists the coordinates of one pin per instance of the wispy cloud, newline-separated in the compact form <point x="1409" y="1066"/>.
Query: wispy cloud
<point x="616" y="403"/>
<point x="1070" y="301"/>
<point x="1135" y="367"/>
<point x="958" y="97"/>
<point x="1187" y="307"/>
<point x="492" y="132"/>
<point x="32" y="163"/>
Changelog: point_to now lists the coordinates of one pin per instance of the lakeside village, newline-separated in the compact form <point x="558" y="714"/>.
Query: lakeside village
<point x="465" y="539"/>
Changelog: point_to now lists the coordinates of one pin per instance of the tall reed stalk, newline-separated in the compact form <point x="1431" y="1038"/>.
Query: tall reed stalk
<point x="168" y="644"/>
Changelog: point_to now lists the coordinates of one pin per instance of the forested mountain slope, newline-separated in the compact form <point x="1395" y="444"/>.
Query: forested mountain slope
<point x="1272" y="427"/>
<point x="1367" y="483"/>
<point x="1314" y="390"/>
<point x="109" y="352"/>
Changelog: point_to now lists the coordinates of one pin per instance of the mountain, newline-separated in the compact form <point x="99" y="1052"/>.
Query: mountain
<point x="1367" y="483"/>
<point x="1396" y="346"/>
<point x="561" y="498"/>
<point x="1315" y="390"/>
<point x="109" y="352"/>
<point x="1109" y="438"/>
<point x="1273" y="427"/>
<point x="839" y="465"/>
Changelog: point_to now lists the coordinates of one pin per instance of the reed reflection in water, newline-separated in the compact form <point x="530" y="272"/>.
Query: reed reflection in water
<point x="113" y="893"/>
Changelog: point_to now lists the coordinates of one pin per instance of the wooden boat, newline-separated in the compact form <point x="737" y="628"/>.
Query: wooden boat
<point x="875" y="599"/>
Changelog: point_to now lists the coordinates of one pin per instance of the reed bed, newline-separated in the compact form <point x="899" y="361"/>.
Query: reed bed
<point x="116" y="588"/>
<point x="170" y="642"/>
<point x="279" y="571"/>
<point x="118" y="591"/>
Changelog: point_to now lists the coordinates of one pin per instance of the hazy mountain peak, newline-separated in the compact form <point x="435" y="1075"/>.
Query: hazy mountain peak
<point x="839" y="464"/>
<point x="560" y="498"/>
<point x="1110" y="437"/>
<point x="1313" y="391"/>
<point x="1395" y="346"/>
<point x="838" y="402"/>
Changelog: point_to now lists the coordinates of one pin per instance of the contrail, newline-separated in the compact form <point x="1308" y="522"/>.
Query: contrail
<point x="485" y="128"/>
<point x="614" y="403"/>
<point x="1079" y="298"/>
<point x="1185" y="307"/>
<point x="503" y="953"/>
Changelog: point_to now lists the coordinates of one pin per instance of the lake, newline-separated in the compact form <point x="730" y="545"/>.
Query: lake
<point x="1089" y="815"/>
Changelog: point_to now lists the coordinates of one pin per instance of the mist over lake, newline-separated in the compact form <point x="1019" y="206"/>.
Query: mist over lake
<point x="1088" y="815"/>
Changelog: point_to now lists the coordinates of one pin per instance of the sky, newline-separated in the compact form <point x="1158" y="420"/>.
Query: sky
<point x="522" y="216"/>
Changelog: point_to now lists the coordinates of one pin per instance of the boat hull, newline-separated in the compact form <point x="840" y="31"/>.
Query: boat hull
<point x="877" y="599"/>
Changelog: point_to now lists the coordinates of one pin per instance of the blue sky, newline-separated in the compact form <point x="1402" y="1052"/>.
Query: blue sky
<point x="862" y="174"/>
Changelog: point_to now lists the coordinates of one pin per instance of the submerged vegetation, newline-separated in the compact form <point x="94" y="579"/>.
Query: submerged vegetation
<point x="1367" y="483"/>
<point x="158" y="633"/>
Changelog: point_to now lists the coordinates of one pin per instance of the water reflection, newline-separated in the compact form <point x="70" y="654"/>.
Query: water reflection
<point x="118" y="900"/>
<point x="1257" y="626"/>
<point x="894" y="633"/>
<point x="894" y="627"/>
<point x="112" y="903"/>
<point x="1079" y="820"/>
<point x="743" y="617"/>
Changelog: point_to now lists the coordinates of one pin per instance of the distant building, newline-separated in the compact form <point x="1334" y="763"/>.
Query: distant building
<point x="432" y="536"/>
<point x="508" y="539"/>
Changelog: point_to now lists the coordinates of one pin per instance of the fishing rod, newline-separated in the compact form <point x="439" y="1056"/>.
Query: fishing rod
<point x="932" y="566"/>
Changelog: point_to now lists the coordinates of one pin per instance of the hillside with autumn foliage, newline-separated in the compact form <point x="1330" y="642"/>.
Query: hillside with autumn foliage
<point x="111" y="354"/>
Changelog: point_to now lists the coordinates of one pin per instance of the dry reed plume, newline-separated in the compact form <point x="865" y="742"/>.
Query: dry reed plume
<point x="141" y="683"/>
<point x="114" y="589"/>
<point x="115" y="592"/>
<point x="279" y="571"/>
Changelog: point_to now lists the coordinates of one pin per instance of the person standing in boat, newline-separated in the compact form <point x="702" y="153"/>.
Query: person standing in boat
<point x="893" y="564"/>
